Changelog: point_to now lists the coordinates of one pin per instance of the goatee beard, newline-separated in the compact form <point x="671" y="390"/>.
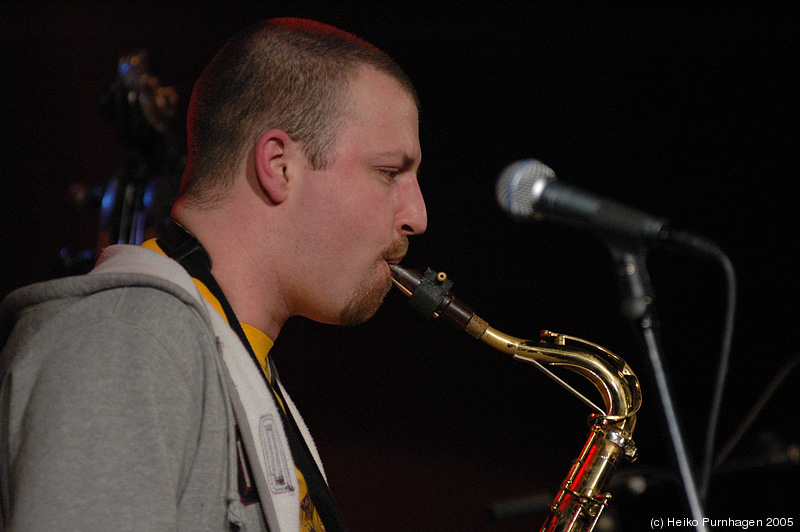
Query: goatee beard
<point x="369" y="296"/>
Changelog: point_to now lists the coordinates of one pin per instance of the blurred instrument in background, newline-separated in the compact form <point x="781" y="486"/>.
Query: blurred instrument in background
<point x="135" y="202"/>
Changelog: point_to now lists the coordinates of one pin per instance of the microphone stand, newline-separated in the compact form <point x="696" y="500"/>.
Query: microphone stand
<point x="637" y="306"/>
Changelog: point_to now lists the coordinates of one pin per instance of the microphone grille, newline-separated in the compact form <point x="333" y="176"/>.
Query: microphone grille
<point x="520" y="186"/>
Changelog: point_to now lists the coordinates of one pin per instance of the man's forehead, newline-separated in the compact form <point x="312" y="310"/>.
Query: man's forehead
<point x="371" y="80"/>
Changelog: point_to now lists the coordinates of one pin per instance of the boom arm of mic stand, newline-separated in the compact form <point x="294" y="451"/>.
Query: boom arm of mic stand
<point x="637" y="307"/>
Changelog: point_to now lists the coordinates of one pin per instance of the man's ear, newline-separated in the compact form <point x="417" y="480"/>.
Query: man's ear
<point x="271" y="160"/>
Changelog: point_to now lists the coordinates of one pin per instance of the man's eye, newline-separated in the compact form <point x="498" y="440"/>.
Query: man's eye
<point x="390" y="173"/>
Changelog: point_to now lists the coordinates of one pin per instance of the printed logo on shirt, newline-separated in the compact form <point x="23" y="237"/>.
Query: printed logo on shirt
<point x="278" y="477"/>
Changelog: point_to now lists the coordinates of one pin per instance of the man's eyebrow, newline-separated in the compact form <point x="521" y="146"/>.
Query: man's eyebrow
<point x="406" y="160"/>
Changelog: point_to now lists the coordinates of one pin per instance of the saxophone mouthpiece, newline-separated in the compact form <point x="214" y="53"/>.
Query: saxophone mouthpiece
<point x="404" y="279"/>
<point x="431" y="295"/>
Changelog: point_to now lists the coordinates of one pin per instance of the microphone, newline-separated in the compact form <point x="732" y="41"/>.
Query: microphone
<point x="529" y="189"/>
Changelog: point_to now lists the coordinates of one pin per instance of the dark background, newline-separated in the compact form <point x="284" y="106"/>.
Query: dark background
<point x="689" y="112"/>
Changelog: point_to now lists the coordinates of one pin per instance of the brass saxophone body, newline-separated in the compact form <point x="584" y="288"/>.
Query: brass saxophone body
<point x="582" y="495"/>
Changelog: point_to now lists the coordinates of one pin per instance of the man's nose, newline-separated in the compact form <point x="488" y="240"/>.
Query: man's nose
<point x="413" y="216"/>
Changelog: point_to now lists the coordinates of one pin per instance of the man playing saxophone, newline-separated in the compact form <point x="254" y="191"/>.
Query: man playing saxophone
<point x="142" y="395"/>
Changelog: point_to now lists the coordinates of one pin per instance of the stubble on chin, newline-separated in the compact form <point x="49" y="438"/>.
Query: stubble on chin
<point x="364" y="303"/>
<point x="368" y="297"/>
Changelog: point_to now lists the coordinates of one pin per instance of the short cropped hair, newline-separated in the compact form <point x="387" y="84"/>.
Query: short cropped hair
<point x="288" y="74"/>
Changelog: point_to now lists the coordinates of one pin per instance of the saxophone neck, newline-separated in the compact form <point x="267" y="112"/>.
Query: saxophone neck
<point x="431" y="294"/>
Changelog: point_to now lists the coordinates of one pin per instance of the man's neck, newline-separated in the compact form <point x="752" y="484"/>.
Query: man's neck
<point x="243" y="277"/>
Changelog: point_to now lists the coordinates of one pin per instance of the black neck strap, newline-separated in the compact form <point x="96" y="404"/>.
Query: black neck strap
<point x="183" y="247"/>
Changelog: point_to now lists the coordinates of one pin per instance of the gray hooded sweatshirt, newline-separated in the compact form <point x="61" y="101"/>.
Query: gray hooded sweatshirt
<point x="121" y="391"/>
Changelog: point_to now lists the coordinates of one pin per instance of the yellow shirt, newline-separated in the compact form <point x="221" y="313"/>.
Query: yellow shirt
<point x="261" y="344"/>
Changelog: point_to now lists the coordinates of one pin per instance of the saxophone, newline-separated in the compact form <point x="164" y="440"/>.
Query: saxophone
<point x="582" y="497"/>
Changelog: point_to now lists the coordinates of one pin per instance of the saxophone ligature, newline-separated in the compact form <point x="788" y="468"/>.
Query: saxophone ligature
<point x="582" y="496"/>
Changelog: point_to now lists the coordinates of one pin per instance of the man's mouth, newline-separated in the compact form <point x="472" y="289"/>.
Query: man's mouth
<point x="396" y="251"/>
